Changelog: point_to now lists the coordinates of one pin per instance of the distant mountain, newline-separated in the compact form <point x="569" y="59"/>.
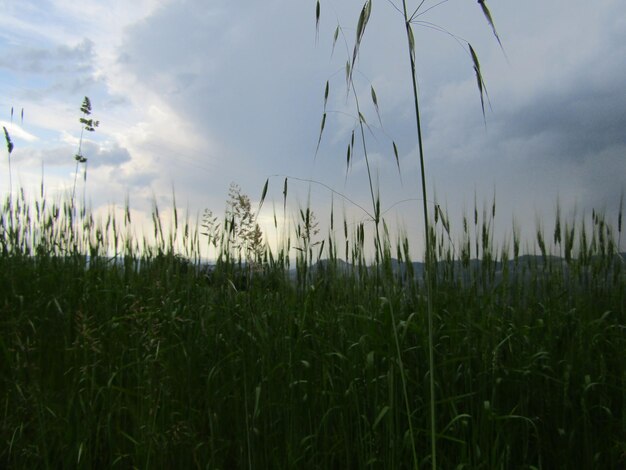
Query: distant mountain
<point x="523" y="263"/>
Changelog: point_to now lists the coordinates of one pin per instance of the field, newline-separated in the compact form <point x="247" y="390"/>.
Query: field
<point x="119" y="352"/>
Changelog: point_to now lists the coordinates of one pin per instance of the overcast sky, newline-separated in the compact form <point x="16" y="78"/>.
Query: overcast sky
<point x="195" y="94"/>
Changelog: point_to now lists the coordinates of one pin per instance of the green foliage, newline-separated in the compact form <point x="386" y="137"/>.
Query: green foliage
<point x="7" y="138"/>
<point x="122" y="353"/>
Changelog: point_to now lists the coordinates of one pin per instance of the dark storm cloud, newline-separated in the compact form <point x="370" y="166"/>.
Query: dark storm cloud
<point x="171" y="47"/>
<point x="558" y="125"/>
<point x="240" y="75"/>
<point x="577" y="123"/>
<point x="575" y="127"/>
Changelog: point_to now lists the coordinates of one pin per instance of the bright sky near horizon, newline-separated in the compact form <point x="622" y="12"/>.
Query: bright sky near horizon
<point x="192" y="95"/>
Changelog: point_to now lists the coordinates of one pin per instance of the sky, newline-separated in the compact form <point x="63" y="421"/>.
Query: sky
<point x="193" y="95"/>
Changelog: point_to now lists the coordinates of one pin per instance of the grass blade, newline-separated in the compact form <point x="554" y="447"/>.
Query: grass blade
<point x="489" y="18"/>
<point x="319" y="140"/>
<point x="326" y="94"/>
<point x="360" y="28"/>
<point x="317" y="20"/>
<point x="263" y="194"/>
<point x="395" y="153"/>
<point x="375" y="101"/>
<point x="479" y="79"/>
<point x="335" y="37"/>
<point x="7" y="137"/>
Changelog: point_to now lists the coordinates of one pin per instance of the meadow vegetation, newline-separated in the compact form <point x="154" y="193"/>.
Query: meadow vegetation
<point x="119" y="351"/>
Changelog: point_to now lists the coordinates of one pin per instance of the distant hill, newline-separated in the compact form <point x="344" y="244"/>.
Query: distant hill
<point x="523" y="263"/>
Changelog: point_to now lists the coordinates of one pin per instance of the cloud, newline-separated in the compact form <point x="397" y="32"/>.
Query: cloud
<point x="106" y="154"/>
<point x="235" y="80"/>
<point x="98" y="154"/>
<point x="17" y="132"/>
<point x="557" y="123"/>
<point x="196" y="94"/>
<point x="60" y="59"/>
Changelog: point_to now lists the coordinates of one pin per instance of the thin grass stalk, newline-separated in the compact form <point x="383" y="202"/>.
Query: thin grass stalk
<point x="375" y="200"/>
<point x="428" y="262"/>
<point x="403" y="379"/>
<point x="9" y="151"/>
<point x="80" y="145"/>
<point x="619" y="222"/>
<point x="10" y="147"/>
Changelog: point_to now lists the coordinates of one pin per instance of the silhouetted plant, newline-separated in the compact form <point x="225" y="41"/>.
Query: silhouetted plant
<point x="245" y="234"/>
<point x="240" y="232"/>
<point x="7" y="137"/>
<point x="89" y="125"/>
<point x="306" y="230"/>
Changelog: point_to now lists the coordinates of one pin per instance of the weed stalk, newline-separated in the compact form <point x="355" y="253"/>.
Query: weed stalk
<point x="427" y="239"/>
<point x="87" y="125"/>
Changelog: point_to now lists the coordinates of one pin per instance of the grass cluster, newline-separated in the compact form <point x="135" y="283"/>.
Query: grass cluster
<point x="119" y="352"/>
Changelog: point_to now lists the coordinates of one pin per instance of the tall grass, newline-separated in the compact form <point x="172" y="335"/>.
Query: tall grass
<point x="119" y="351"/>
<point x="409" y="20"/>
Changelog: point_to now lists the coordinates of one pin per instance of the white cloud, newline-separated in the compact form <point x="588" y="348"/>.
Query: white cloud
<point x="17" y="132"/>
<point x="195" y="95"/>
